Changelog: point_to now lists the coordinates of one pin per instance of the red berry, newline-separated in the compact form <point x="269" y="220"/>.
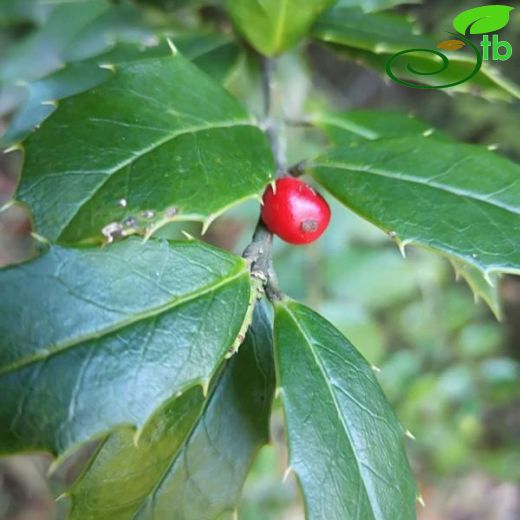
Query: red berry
<point x="294" y="211"/>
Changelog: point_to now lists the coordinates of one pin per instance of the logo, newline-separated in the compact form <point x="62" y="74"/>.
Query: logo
<point x="480" y="20"/>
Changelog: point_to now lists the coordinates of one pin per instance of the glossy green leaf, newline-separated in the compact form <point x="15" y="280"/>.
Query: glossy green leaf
<point x="346" y="445"/>
<point x="487" y="290"/>
<point x="43" y="95"/>
<point x="160" y="136"/>
<point x="193" y="456"/>
<point x="169" y="5"/>
<point x="376" y="32"/>
<point x="351" y="128"/>
<point x="73" y="31"/>
<point x="273" y="26"/>
<point x="374" y="5"/>
<point x="12" y="11"/>
<point x="91" y="339"/>
<point x="359" y="125"/>
<point x="213" y="54"/>
<point x="459" y="200"/>
<point x="216" y="54"/>
<point x="373" y="38"/>
<point x="484" y="19"/>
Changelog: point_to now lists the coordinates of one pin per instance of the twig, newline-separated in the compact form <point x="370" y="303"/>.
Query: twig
<point x="259" y="253"/>
<point x="270" y="125"/>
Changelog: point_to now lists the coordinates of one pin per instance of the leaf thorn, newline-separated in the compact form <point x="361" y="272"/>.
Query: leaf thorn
<point x="187" y="235"/>
<point x="39" y="238"/>
<point x="428" y="132"/>
<point x="288" y="471"/>
<point x="108" y="66"/>
<point x="14" y="148"/>
<point x="172" y="47"/>
<point x="207" y="223"/>
<point x="410" y="435"/>
<point x="375" y="369"/>
<point x="401" y="244"/>
<point x="7" y="205"/>
<point x="50" y="102"/>
<point x="421" y="501"/>
<point x="488" y="278"/>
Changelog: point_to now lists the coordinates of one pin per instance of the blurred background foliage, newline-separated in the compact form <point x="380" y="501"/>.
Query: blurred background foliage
<point x="447" y="365"/>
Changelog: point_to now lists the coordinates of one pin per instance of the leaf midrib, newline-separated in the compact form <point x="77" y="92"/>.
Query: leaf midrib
<point x="110" y="172"/>
<point x="359" y="465"/>
<point x="155" y="487"/>
<point x="142" y="316"/>
<point x="279" y="27"/>
<point x="358" y="168"/>
<point x="350" y="126"/>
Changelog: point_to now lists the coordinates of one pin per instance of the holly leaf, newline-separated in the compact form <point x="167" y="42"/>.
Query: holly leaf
<point x="93" y="339"/>
<point x="458" y="200"/>
<point x="22" y="11"/>
<point x="72" y="31"/>
<point x="216" y="54"/>
<point x="273" y="26"/>
<point x="213" y="54"/>
<point x="194" y="453"/>
<point x="374" y="38"/>
<point x="43" y="95"/>
<point x="349" y="128"/>
<point x="482" y="20"/>
<point x="487" y="290"/>
<point x="346" y="445"/>
<point x="376" y="32"/>
<point x="158" y="142"/>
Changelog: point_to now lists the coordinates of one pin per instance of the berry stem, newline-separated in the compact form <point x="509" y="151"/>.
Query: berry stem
<point x="297" y="170"/>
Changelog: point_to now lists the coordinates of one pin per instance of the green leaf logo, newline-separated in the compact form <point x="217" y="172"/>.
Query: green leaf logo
<point x="482" y="20"/>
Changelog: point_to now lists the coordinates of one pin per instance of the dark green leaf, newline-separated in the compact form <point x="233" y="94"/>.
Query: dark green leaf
<point x="215" y="55"/>
<point x="374" y="38"/>
<point x="91" y="339"/>
<point x="73" y="31"/>
<point x="12" y="11"/>
<point x="481" y="20"/>
<point x="482" y="288"/>
<point x="188" y="459"/>
<point x="376" y="32"/>
<point x="169" y="5"/>
<point x="160" y="136"/>
<point x="346" y="445"/>
<point x="273" y="26"/>
<point x="459" y="200"/>
<point x="43" y="95"/>
<point x="360" y="125"/>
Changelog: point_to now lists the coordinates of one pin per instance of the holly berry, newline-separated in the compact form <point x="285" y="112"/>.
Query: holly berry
<point x="294" y="211"/>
